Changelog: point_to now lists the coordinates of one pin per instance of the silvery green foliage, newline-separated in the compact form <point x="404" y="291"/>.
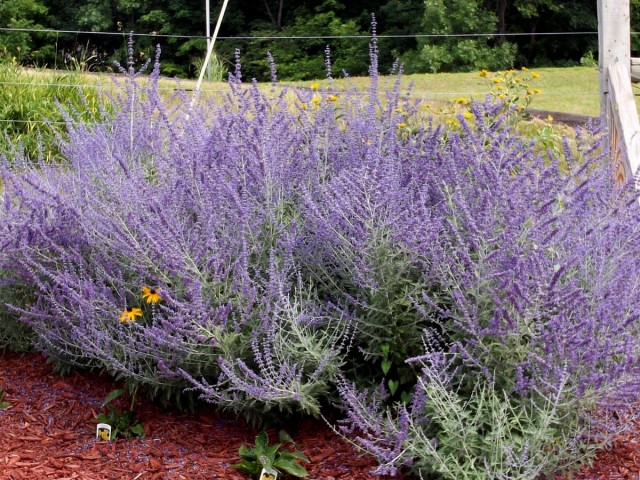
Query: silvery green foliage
<point x="309" y="253"/>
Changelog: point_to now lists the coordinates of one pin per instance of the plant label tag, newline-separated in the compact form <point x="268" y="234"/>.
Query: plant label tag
<point x="268" y="474"/>
<point x="103" y="432"/>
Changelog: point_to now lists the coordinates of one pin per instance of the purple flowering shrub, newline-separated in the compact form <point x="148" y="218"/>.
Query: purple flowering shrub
<point x="539" y="326"/>
<point x="468" y="306"/>
<point x="198" y="205"/>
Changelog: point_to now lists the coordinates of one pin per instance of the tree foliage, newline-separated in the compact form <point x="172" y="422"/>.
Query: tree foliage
<point x="479" y="33"/>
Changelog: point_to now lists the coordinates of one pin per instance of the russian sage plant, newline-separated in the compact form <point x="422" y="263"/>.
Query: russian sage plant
<point x="470" y="305"/>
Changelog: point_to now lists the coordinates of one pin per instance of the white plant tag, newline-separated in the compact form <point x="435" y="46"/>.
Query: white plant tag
<point x="268" y="474"/>
<point x="103" y="432"/>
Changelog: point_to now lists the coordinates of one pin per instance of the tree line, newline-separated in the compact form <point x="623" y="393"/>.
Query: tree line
<point x="480" y="34"/>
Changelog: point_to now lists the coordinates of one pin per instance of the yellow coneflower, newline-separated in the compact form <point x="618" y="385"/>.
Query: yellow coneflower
<point x="483" y="73"/>
<point x="151" y="295"/>
<point x="316" y="100"/>
<point x="315" y="86"/>
<point x="468" y="115"/>
<point x="129" y="314"/>
<point x="332" y="98"/>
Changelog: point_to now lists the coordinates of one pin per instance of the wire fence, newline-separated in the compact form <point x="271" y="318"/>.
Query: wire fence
<point x="208" y="89"/>
<point x="299" y="37"/>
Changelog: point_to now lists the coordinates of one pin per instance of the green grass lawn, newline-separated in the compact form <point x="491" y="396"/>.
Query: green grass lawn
<point x="571" y="89"/>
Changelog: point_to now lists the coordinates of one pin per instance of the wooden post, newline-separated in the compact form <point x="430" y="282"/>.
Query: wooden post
<point x="617" y="105"/>
<point x="614" y="41"/>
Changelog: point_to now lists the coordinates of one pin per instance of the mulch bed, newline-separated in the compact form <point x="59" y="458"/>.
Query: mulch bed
<point x="49" y="433"/>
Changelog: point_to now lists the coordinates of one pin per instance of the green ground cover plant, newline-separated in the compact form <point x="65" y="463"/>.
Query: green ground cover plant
<point x="269" y="457"/>
<point x="466" y="303"/>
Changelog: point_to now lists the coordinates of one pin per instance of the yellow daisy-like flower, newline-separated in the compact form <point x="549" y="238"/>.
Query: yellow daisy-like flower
<point x="497" y="80"/>
<point x="303" y="106"/>
<point x="524" y="69"/>
<point x="536" y="90"/>
<point x="535" y="75"/>
<point x="549" y="118"/>
<point x="517" y="79"/>
<point x="468" y="115"/>
<point x="402" y="125"/>
<point x="316" y="100"/>
<point x="483" y="73"/>
<point x="463" y="101"/>
<point x="315" y="86"/>
<point x="151" y="295"/>
<point x="332" y="98"/>
<point x="502" y="96"/>
<point x="129" y="314"/>
<point x="398" y="110"/>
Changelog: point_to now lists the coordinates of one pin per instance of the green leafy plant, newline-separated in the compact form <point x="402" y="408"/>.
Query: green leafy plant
<point x="514" y="89"/>
<point x="271" y="457"/>
<point x="3" y="403"/>
<point x="124" y="424"/>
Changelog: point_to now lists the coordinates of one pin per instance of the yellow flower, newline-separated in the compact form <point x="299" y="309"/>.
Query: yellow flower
<point x="535" y="75"/>
<point x="402" y="125"/>
<point x="151" y="295"/>
<point x="483" y="73"/>
<point x="497" y="80"/>
<point x="315" y="86"/>
<point x="129" y="314"/>
<point x="530" y="92"/>
<point x="517" y="79"/>
<point x="502" y="96"/>
<point x="549" y="118"/>
<point x="398" y="110"/>
<point x="468" y="115"/>
<point x="524" y="69"/>
<point x="316" y="99"/>
<point x="332" y="98"/>
<point x="536" y="90"/>
<point x="462" y="100"/>
<point x="303" y="106"/>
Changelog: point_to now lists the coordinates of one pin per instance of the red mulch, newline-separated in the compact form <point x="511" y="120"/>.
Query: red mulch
<point x="49" y="433"/>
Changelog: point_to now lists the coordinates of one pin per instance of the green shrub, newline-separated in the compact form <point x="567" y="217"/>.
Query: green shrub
<point x="32" y="103"/>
